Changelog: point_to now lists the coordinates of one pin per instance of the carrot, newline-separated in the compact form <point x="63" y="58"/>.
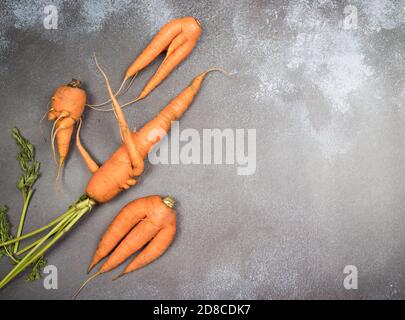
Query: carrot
<point x="178" y="38"/>
<point x="146" y="220"/>
<point x="66" y="108"/>
<point x="118" y="172"/>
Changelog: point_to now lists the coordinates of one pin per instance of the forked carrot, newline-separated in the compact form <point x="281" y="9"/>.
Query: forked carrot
<point x="178" y="38"/>
<point x="146" y="220"/>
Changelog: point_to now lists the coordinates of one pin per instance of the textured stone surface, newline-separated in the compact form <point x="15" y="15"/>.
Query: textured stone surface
<point x="328" y="107"/>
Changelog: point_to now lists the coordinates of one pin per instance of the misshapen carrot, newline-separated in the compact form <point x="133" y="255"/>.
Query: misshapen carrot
<point x="66" y="108"/>
<point x="117" y="173"/>
<point x="157" y="227"/>
<point x="126" y="219"/>
<point x="149" y="215"/>
<point x="69" y="100"/>
<point x="149" y="221"/>
<point x="178" y="38"/>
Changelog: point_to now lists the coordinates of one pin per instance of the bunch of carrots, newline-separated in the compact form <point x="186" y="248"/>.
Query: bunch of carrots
<point x="150" y="220"/>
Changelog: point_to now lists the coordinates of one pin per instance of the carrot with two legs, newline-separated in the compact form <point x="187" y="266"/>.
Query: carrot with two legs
<point x="178" y="38"/>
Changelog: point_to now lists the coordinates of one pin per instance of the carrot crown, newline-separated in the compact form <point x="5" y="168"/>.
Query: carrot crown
<point x="169" y="201"/>
<point x="74" y="83"/>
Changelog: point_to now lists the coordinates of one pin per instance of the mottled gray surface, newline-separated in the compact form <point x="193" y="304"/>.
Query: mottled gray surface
<point x="328" y="107"/>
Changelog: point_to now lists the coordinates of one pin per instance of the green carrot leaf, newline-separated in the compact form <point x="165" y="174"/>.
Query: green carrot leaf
<point x="5" y="234"/>
<point x="37" y="267"/>
<point x="30" y="172"/>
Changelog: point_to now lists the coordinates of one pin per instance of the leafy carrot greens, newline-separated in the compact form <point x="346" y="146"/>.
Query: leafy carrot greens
<point x="30" y="174"/>
<point x="5" y="234"/>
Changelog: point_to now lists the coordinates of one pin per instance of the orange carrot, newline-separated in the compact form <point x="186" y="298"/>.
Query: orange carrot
<point x="159" y="217"/>
<point x="145" y="214"/>
<point x="178" y="38"/>
<point x="126" y="219"/>
<point x="119" y="172"/>
<point x="150" y="219"/>
<point x="66" y="108"/>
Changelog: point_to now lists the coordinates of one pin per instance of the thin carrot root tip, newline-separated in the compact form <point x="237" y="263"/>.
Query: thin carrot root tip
<point x="119" y="276"/>
<point x="43" y="118"/>
<point x="141" y="96"/>
<point x="116" y="94"/>
<point x="223" y="71"/>
<point x="60" y="165"/>
<point x="85" y="284"/>
<point x="53" y="137"/>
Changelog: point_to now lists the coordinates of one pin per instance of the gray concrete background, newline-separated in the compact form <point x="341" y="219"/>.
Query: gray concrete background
<point x="328" y="107"/>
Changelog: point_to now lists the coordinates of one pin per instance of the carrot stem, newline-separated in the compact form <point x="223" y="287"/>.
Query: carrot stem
<point x="30" y="246"/>
<point x="37" y="241"/>
<point x="39" y="230"/>
<point x="20" y="252"/>
<point x="77" y="211"/>
<point x="26" y="261"/>
<point x="27" y="199"/>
